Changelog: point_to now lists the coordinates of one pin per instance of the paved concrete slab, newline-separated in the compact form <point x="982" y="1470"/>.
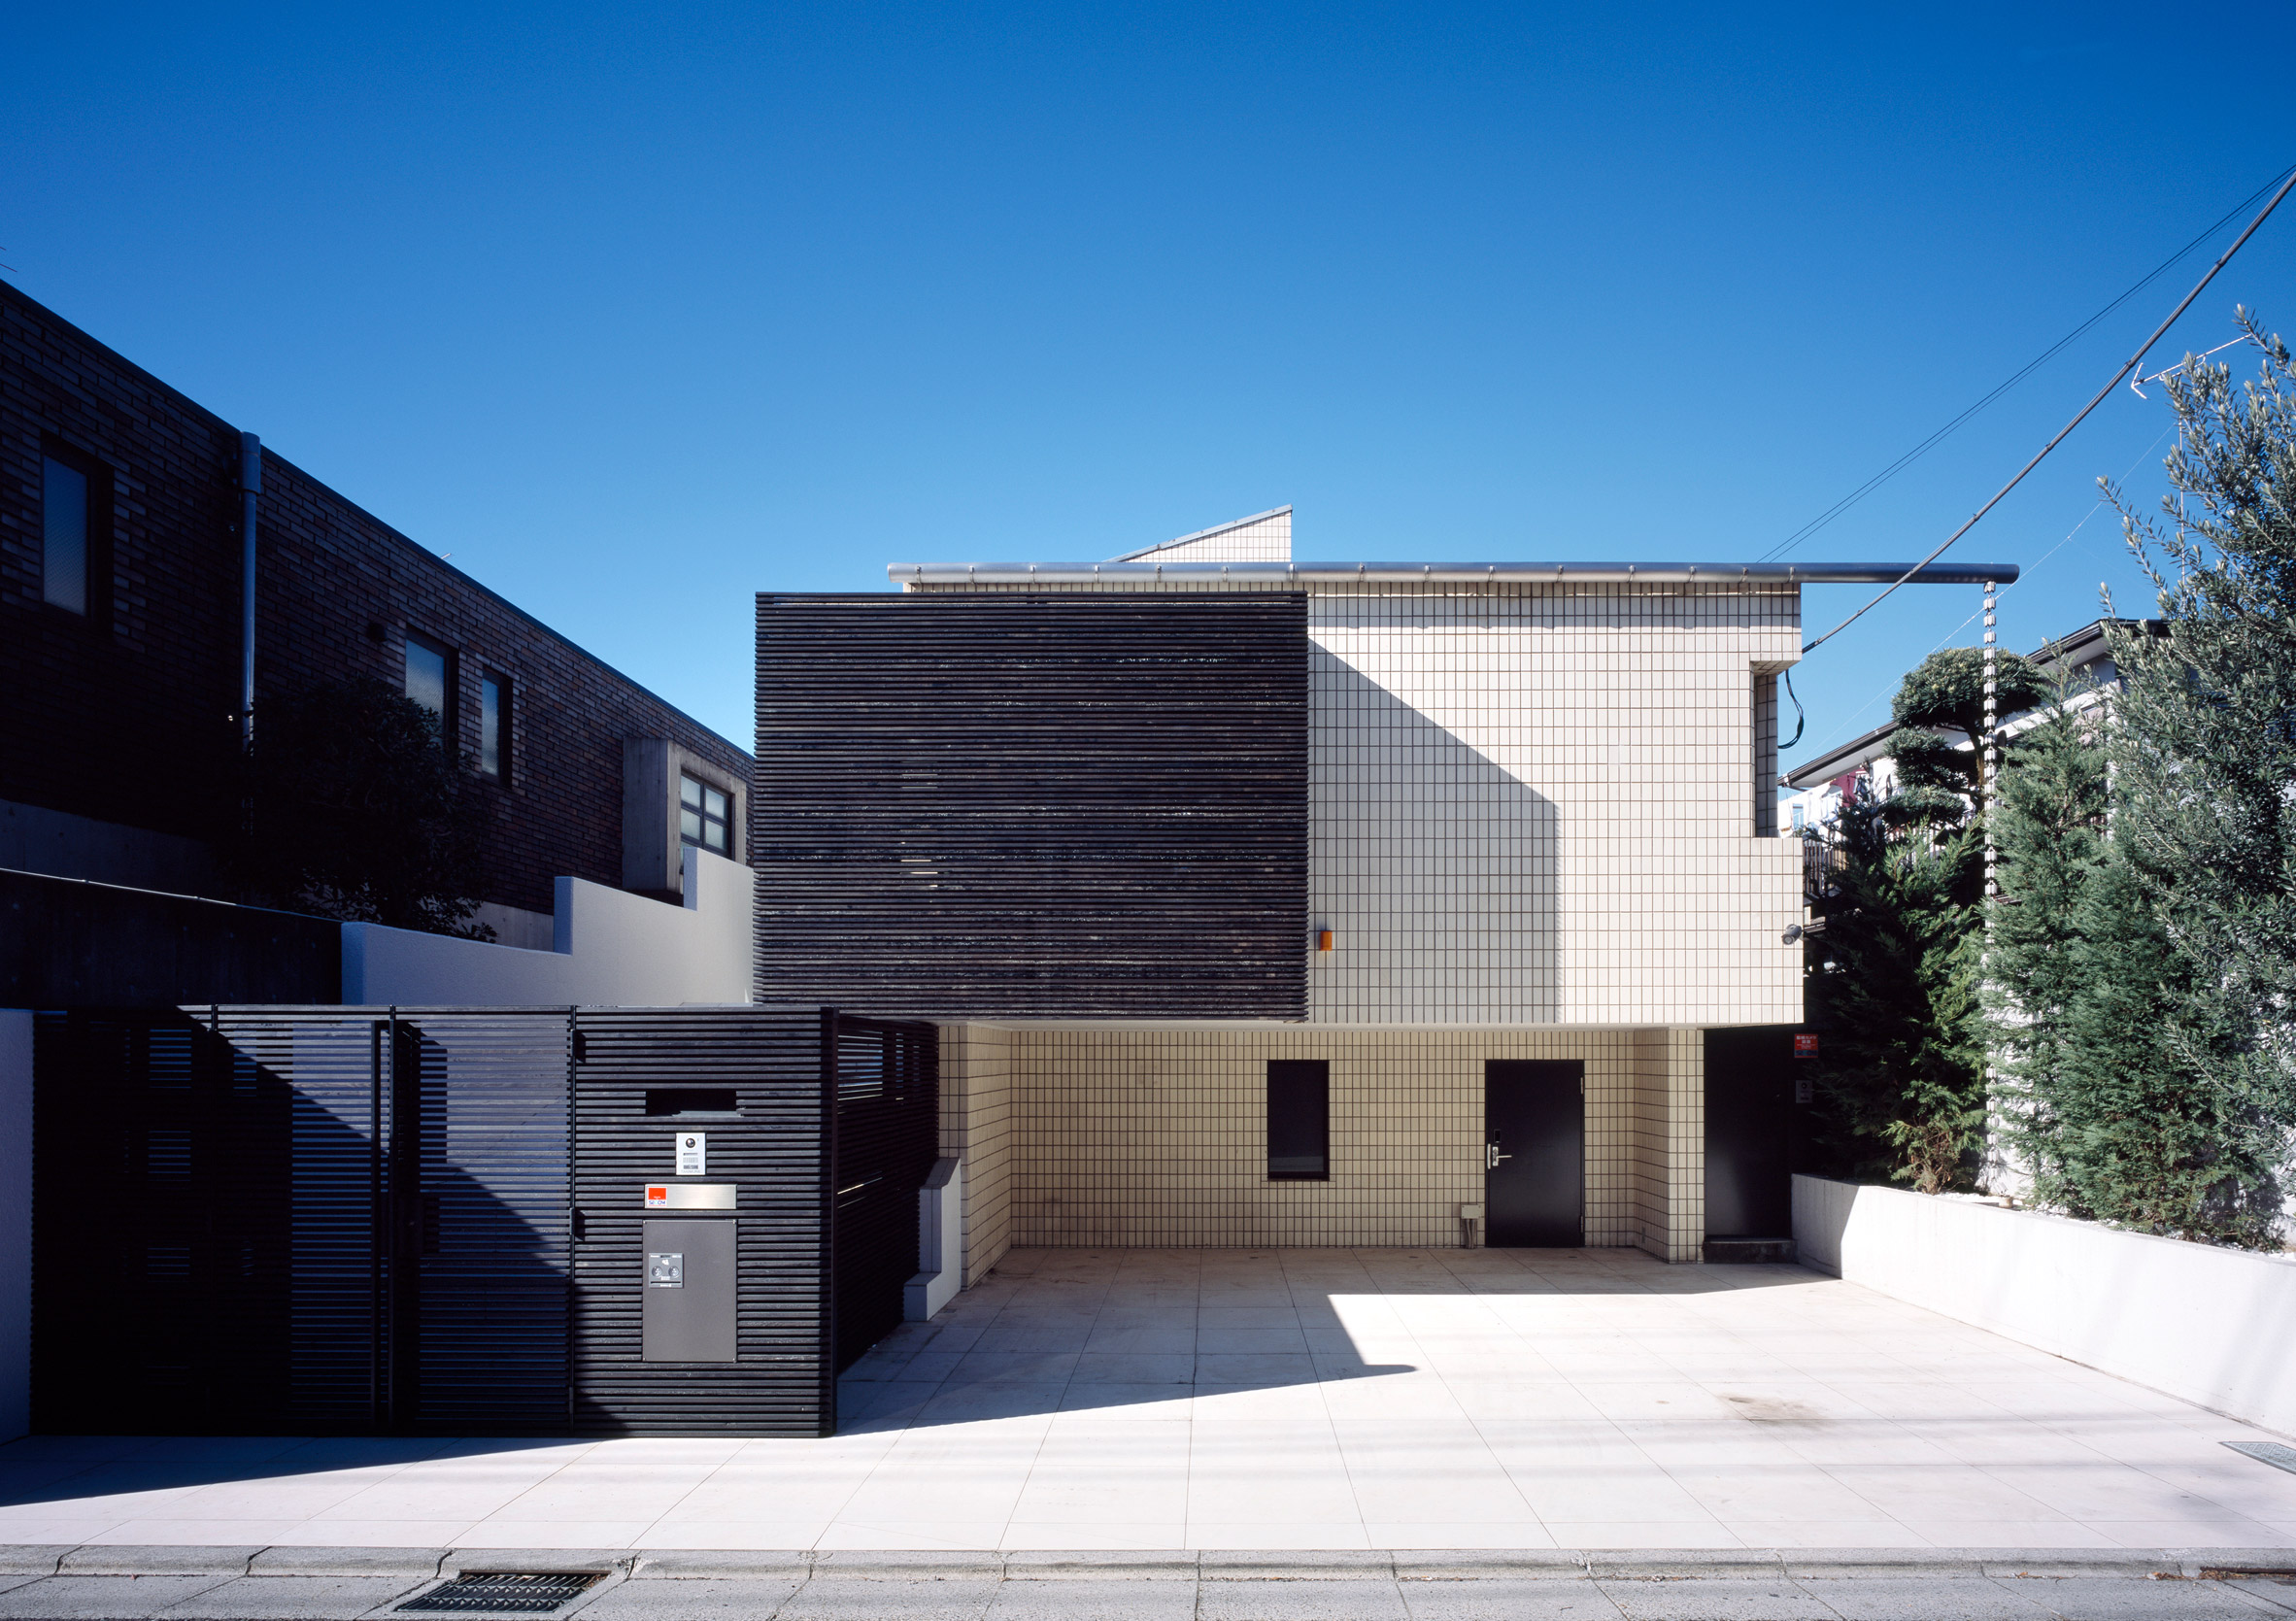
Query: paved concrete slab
<point x="698" y="1598"/>
<point x="1513" y="1401"/>
<point x="101" y="1597"/>
<point x="293" y="1598"/>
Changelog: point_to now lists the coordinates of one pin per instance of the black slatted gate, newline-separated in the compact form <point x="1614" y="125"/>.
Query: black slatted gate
<point x="356" y="1219"/>
<point x="887" y="1134"/>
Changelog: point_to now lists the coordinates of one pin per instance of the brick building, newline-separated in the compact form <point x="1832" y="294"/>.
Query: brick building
<point x="121" y="651"/>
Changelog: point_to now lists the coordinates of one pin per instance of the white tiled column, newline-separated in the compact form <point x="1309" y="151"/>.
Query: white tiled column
<point x="1670" y="1142"/>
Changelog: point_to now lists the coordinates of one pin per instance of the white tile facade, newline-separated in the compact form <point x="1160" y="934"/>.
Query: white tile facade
<point x="1263" y="538"/>
<point x="1532" y="806"/>
<point x="1157" y="1134"/>
<point x="1542" y="827"/>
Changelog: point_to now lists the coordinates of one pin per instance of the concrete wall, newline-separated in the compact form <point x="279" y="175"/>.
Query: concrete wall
<point x="612" y="947"/>
<point x="15" y="1222"/>
<point x="1156" y="1135"/>
<point x="35" y="839"/>
<point x="2212" y="1326"/>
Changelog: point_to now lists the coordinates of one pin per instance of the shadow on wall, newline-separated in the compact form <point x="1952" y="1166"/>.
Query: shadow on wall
<point x="1068" y="1330"/>
<point x="220" y="1269"/>
<point x="1433" y="864"/>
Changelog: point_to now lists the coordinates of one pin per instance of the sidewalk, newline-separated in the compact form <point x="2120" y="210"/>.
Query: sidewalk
<point x="344" y="1584"/>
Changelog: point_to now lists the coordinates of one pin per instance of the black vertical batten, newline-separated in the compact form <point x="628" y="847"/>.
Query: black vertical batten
<point x="1088" y="804"/>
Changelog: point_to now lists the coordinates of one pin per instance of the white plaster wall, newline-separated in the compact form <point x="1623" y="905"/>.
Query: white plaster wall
<point x="612" y="947"/>
<point x="1531" y="805"/>
<point x="15" y="1222"/>
<point x="2212" y="1326"/>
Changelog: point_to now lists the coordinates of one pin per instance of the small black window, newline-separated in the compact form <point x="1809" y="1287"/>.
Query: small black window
<point x="493" y="725"/>
<point x="1299" y="1120"/>
<point x="64" y="534"/>
<point x="704" y="816"/>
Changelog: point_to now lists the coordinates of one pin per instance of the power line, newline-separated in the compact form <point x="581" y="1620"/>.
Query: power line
<point x="1846" y="727"/>
<point x="1939" y="437"/>
<point x="2127" y="366"/>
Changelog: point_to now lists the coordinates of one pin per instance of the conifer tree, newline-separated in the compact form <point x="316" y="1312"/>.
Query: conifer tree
<point x="2049" y="829"/>
<point x="2146" y="1139"/>
<point x="1896" y="993"/>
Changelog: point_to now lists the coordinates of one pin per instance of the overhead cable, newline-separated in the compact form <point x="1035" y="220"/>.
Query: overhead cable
<point x="1939" y="437"/>
<point x="2127" y="366"/>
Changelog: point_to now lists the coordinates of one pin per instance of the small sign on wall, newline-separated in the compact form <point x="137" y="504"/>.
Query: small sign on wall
<point x="694" y="1156"/>
<point x="1805" y="1044"/>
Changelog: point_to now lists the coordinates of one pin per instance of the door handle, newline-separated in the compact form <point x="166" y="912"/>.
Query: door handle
<point x="1492" y="1156"/>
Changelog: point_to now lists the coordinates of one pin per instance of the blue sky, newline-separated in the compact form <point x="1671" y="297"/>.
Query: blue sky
<point x="635" y="311"/>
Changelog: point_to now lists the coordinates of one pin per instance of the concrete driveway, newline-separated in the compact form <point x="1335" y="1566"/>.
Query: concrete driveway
<point x="1293" y="1399"/>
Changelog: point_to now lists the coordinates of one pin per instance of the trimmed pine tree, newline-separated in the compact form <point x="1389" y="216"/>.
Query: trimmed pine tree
<point x="1896" y="993"/>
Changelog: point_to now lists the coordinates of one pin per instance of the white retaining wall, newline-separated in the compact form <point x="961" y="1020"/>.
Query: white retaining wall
<point x="612" y="947"/>
<point x="2216" y="1327"/>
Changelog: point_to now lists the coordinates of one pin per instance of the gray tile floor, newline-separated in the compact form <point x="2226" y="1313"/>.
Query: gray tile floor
<point x="1294" y="1399"/>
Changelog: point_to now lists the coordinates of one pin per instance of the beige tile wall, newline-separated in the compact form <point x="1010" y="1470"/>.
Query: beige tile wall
<point x="979" y="1066"/>
<point x="1151" y="1137"/>
<point x="1669" y="1132"/>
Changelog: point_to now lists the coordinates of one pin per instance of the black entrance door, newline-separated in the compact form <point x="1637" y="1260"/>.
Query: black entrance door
<point x="1534" y="1154"/>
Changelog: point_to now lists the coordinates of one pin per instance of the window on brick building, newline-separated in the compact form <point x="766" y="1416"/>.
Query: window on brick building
<point x="704" y="816"/>
<point x="74" y="530"/>
<point x="63" y="536"/>
<point x="494" y="726"/>
<point x="430" y="678"/>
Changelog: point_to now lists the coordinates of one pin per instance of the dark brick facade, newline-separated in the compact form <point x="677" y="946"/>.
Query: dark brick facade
<point x="123" y="714"/>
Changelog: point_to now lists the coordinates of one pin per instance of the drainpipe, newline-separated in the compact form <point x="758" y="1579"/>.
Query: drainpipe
<point x="251" y="490"/>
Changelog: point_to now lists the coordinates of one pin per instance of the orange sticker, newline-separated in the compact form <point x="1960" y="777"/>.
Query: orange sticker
<point x="656" y="1195"/>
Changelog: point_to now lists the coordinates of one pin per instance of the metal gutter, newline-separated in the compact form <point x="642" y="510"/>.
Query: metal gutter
<point x="1401" y="573"/>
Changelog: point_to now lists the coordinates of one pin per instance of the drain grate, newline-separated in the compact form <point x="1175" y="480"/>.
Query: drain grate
<point x="2268" y="1452"/>
<point x="505" y="1592"/>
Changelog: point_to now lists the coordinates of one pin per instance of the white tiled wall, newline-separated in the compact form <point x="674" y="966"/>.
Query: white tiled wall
<point x="1263" y="538"/>
<point x="1531" y="805"/>
<point x="1155" y="1135"/>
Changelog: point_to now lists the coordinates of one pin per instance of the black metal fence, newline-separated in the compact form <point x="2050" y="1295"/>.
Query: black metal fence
<point x="358" y="1219"/>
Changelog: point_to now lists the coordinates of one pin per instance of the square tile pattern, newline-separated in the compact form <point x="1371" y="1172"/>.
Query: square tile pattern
<point x="1311" y="1398"/>
<point x="1156" y="1136"/>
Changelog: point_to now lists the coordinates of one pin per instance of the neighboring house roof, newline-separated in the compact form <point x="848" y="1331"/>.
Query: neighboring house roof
<point x="2085" y="652"/>
<point x="1855" y="755"/>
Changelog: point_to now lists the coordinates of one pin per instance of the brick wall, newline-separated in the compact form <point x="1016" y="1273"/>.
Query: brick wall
<point x="123" y="714"/>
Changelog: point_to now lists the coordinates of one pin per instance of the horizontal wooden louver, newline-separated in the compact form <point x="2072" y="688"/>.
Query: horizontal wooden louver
<point x="1013" y="804"/>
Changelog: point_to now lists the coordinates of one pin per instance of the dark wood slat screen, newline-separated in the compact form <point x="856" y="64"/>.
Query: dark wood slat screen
<point x="1034" y="805"/>
<point x="774" y="1146"/>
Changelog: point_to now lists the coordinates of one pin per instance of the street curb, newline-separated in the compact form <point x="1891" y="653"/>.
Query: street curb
<point x="1418" y="1564"/>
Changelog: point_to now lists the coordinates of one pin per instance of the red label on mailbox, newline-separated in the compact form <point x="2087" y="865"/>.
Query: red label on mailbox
<point x="1805" y="1045"/>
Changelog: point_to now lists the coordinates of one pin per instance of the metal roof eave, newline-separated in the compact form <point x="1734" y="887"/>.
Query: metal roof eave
<point x="1454" y="573"/>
